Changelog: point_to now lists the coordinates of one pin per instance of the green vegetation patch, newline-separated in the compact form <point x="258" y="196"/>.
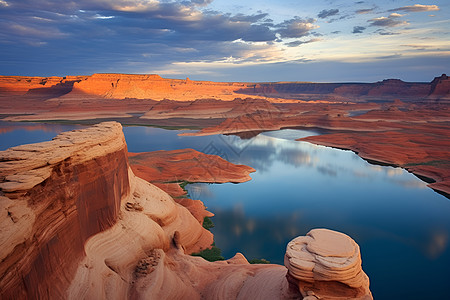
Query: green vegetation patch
<point x="213" y="254"/>
<point x="207" y="223"/>
<point x="259" y="261"/>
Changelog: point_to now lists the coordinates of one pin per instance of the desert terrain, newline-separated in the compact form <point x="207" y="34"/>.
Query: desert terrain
<point x="105" y="223"/>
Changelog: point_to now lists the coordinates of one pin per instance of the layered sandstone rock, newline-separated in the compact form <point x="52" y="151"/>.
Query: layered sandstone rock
<point x="440" y="88"/>
<point x="123" y="86"/>
<point x="56" y="195"/>
<point x="21" y="85"/>
<point x="120" y="86"/>
<point x="326" y="264"/>
<point x="167" y="168"/>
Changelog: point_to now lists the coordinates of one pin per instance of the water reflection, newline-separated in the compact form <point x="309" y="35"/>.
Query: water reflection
<point x="300" y="186"/>
<point x="19" y="133"/>
<point x="400" y="226"/>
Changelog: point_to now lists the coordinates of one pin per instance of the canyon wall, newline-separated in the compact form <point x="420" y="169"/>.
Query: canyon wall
<point x="123" y="86"/>
<point x="55" y="195"/>
<point x="76" y="223"/>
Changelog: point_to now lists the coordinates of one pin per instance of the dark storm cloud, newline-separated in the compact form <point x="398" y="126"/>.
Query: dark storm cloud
<point x="358" y="29"/>
<point x="327" y="13"/>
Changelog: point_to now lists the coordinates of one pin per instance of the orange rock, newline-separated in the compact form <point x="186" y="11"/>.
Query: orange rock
<point x="326" y="264"/>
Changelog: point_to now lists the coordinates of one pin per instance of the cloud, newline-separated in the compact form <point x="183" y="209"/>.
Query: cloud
<point x="358" y="29"/>
<point x="364" y="11"/>
<point x="327" y="13"/>
<point x="248" y="18"/>
<point x="391" y="21"/>
<point x="296" y="27"/>
<point x="383" y="32"/>
<point x="298" y="43"/>
<point x="417" y="8"/>
<point x="389" y="56"/>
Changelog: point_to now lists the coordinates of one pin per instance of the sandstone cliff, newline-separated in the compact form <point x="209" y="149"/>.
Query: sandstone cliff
<point x="120" y="86"/>
<point x="76" y="223"/>
<point x="128" y="86"/>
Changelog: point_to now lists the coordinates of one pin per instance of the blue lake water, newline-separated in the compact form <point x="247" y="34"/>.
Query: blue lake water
<point x="401" y="225"/>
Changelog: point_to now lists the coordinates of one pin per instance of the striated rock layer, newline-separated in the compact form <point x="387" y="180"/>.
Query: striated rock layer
<point x="76" y="223"/>
<point x="152" y="86"/>
<point x="55" y="195"/>
<point x="327" y="265"/>
<point x="168" y="168"/>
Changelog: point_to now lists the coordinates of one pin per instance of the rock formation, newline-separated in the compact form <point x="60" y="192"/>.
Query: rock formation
<point x="76" y="223"/>
<point x="126" y="86"/>
<point x="166" y="169"/>
<point x="440" y="88"/>
<point x="120" y="86"/>
<point x="326" y="264"/>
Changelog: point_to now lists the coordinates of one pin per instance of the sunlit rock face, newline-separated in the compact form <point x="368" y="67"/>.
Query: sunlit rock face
<point x="55" y="195"/>
<point x="326" y="264"/>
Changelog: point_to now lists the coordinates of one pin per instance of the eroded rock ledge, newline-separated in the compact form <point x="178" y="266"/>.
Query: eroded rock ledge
<point x="76" y="223"/>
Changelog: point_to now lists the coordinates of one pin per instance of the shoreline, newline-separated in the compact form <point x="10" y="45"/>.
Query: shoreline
<point x="376" y="161"/>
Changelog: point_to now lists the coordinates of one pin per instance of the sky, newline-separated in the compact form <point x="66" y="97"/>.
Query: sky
<point x="228" y="40"/>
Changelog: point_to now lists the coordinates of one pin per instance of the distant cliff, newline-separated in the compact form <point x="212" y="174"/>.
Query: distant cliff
<point x="121" y="86"/>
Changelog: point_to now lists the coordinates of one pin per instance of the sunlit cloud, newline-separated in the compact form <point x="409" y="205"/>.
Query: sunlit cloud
<point x="172" y="36"/>
<point x="365" y="11"/>
<point x="416" y="8"/>
<point x="391" y="21"/>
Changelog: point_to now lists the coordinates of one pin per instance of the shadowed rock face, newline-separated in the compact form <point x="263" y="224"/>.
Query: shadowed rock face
<point x="78" y="224"/>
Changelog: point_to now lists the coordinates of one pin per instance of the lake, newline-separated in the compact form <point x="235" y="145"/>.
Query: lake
<point x="401" y="225"/>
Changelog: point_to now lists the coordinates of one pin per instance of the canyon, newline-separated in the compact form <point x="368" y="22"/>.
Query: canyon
<point x="129" y="86"/>
<point x="78" y="223"/>
<point x="83" y="218"/>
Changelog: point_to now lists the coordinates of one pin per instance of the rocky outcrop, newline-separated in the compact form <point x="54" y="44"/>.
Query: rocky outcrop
<point x="55" y="195"/>
<point x="121" y="86"/>
<point x="47" y="86"/>
<point x="167" y="168"/>
<point x="440" y="88"/>
<point x="326" y="264"/>
<point x="208" y="108"/>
